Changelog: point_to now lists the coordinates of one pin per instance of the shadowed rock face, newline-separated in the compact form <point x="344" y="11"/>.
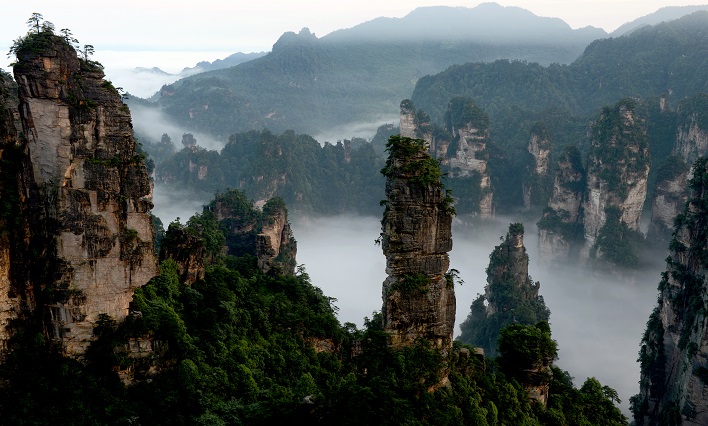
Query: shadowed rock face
<point x="674" y="352"/>
<point x="419" y="301"/>
<point x="84" y="196"/>
<point x="671" y="190"/>
<point x="558" y="230"/>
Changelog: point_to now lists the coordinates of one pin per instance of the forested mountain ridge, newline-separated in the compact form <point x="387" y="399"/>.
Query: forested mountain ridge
<point x="309" y="84"/>
<point x="664" y="14"/>
<point x="669" y="58"/>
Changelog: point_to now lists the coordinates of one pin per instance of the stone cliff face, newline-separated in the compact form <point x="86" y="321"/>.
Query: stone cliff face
<point x="275" y="244"/>
<point x="671" y="191"/>
<point x="84" y="196"/>
<point x="265" y="234"/>
<point x="670" y="196"/>
<point x="558" y="229"/>
<point x="418" y="297"/>
<point x="461" y="145"/>
<point x="674" y="352"/>
<point x="618" y="166"/>
<point x="187" y="250"/>
<point x="11" y="300"/>
<point x="534" y="185"/>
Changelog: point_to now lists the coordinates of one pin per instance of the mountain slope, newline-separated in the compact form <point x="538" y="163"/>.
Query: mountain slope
<point x="361" y="74"/>
<point x="667" y="58"/>
<point x="662" y="15"/>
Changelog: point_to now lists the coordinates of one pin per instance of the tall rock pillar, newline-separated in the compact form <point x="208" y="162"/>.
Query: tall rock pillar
<point x="418" y="295"/>
<point x="85" y="193"/>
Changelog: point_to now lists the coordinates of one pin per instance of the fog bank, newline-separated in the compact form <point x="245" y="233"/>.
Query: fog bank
<point x="597" y="319"/>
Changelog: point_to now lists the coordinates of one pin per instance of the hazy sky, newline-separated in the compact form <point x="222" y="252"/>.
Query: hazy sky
<point x="221" y="26"/>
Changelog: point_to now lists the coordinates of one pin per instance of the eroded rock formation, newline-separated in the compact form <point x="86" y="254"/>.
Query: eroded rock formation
<point x="618" y="166"/>
<point x="560" y="228"/>
<point x="461" y="146"/>
<point x="535" y="185"/>
<point x="188" y="251"/>
<point x="84" y="237"/>
<point x="510" y="297"/>
<point x="674" y="352"/>
<point x="418" y="297"/>
<point x="671" y="191"/>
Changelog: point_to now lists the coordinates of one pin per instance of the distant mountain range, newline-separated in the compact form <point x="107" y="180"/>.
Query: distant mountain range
<point x="664" y="14"/>
<point x="361" y="74"/>
<point x="203" y="66"/>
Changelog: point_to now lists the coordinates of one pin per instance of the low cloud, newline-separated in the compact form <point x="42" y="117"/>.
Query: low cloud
<point x="152" y="122"/>
<point x="597" y="319"/>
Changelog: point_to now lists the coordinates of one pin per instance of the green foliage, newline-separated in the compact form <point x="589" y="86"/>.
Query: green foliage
<point x="513" y="296"/>
<point x="525" y="350"/>
<point x="463" y="111"/>
<point x="616" y="243"/>
<point x="325" y="179"/>
<point x="412" y="284"/>
<point x="408" y="157"/>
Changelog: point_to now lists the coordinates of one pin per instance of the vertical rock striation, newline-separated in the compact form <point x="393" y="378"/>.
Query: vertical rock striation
<point x="461" y="146"/>
<point x="275" y="245"/>
<point x="536" y="183"/>
<point x="560" y="228"/>
<point x="84" y="194"/>
<point x="691" y="143"/>
<point x="618" y="166"/>
<point x="674" y="351"/>
<point x="418" y="295"/>
<point x="11" y="297"/>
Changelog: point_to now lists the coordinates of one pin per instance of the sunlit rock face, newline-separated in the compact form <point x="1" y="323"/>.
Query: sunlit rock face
<point x="275" y="244"/>
<point x="84" y="194"/>
<point x="618" y="167"/>
<point x="559" y="229"/>
<point x="418" y="299"/>
<point x="674" y="352"/>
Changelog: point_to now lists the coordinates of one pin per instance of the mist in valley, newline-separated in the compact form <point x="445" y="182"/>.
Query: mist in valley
<point x="153" y="123"/>
<point x="596" y="318"/>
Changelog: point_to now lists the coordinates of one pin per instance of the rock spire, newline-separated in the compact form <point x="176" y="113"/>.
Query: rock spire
<point x="84" y="238"/>
<point x="418" y="294"/>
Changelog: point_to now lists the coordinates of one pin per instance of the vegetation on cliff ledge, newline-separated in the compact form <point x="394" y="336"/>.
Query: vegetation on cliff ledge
<point x="244" y="347"/>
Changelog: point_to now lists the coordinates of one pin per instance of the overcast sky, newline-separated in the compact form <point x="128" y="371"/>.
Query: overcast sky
<point x="219" y="27"/>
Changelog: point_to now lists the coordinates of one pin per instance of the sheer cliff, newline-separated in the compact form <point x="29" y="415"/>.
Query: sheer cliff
<point x="461" y="146"/>
<point x="690" y="143"/>
<point x="536" y="184"/>
<point x="418" y="295"/>
<point x="560" y="227"/>
<point x="85" y="237"/>
<point x="618" y="167"/>
<point x="674" y="354"/>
